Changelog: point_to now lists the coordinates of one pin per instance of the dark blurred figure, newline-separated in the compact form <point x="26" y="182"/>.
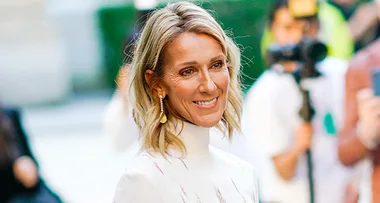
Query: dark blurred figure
<point x="348" y="7"/>
<point x="362" y="20"/>
<point x="19" y="177"/>
<point x="360" y="137"/>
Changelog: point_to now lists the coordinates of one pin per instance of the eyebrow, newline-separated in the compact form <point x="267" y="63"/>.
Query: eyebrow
<point x="192" y="63"/>
<point x="216" y="57"/>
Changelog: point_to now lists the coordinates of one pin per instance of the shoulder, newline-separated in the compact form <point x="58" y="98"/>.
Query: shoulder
<point x="131" y="184"/>
<point x="11" y="113"/>
<point x="134" y="175"/>
<point x="333" y="71"/>
<point x="268" y="94"/>
<point x="333" y="65"/>
<point x="266" y="85"/>
<point x="328" y="10"/>
<point x="268" y="76"/>
<point x="361" y="64"/>
<point x="152" y="164"/>
<point x="144" y="174"/>
<point x="364" y="59"/>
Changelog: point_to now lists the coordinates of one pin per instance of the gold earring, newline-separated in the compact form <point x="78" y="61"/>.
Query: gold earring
<point x="163" y="118"/>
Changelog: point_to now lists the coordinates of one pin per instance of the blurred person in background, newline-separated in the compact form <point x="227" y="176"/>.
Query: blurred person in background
<point x="184" y="81"/>
<point x="362" y="20"/>
<point x="360" y="137"/>
<point x="333" y="31"/>
<point x="19" y="176"/>
<point x="277" y="138"/>
<point x="118" y="121"/>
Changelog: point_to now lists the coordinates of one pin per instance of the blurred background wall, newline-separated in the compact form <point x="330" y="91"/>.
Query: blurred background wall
<point x="33" y="67"/>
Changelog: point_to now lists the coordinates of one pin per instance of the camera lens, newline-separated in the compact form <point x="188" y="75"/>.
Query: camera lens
<point x="316" y="51"/>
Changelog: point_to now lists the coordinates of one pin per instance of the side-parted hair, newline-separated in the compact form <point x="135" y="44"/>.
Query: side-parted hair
<point x="163" y="26"/>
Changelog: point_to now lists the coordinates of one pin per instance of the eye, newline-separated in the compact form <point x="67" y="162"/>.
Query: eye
<point x="187" y="72"/>
<point x="218" y="65"/>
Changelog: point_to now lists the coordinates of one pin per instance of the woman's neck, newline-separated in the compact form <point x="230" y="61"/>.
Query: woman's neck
<point x="195" y="138"/>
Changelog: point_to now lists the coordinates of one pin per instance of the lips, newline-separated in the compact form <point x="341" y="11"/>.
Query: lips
<point x="206" y="103"/>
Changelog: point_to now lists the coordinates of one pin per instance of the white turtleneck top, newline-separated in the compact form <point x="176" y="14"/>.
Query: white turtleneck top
<point x="204" y="175"/>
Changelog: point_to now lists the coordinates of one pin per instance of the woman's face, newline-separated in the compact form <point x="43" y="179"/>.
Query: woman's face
<point x="286" y="29"/>
<point x="196" y="78"/>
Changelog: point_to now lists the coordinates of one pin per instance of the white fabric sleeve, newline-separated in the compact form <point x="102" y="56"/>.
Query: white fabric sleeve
<point x="135" y="187"/>
<point x="118" y="124"/>
<point x="335" y="71"/>
<point x="264" y="129"/>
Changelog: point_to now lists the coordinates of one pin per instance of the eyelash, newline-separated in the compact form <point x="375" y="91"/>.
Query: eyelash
<point x="184" y="73"/>
<point x="190" y="71"/>
<point x="219" y="63"/>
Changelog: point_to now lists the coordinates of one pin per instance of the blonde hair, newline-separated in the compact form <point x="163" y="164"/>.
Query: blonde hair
<point x="163" y="27"/>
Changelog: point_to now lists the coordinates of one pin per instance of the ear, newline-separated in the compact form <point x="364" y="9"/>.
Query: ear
<point x="156" y="86"/>
<point x="149" y="74"/>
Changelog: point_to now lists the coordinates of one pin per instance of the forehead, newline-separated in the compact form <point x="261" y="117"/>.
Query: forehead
<point x="190" y="46"/>
<point x="283" y="16"/>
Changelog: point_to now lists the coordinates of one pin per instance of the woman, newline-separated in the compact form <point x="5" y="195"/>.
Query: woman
<point x="184" y="81"/>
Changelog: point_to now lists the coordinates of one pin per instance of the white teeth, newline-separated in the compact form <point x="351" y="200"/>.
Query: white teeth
<point x="208" y="103"/>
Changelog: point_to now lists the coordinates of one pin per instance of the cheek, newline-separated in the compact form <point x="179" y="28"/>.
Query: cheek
<point x="222" y="80"/>
<point x="277" y="34"/>
<point x="182" y="90"/>
<point x="280" y="36"/>
<point x="296" y="36"/>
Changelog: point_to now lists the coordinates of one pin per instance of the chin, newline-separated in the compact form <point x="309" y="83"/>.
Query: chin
<point x="208" y="122"/>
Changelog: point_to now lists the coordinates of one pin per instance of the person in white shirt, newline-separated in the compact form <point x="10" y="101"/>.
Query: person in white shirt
<point x="277" y="138"/>
<point x="118" y="121"/>
<point x="184" y="81"/>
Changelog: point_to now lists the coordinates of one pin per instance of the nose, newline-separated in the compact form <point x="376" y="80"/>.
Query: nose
<point x="207" y="84"/>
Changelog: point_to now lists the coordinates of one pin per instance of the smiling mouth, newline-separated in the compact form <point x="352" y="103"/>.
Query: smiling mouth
<point x="206" y="103"/>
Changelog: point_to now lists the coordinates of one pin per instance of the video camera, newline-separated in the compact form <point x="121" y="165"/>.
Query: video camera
<point x="308" y="50"/>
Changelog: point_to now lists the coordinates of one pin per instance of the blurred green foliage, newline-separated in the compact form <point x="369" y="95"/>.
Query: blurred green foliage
<point x="115" y="23"/>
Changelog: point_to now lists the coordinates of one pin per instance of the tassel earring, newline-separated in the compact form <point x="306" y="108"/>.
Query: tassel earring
<point x="163" y="118"/>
